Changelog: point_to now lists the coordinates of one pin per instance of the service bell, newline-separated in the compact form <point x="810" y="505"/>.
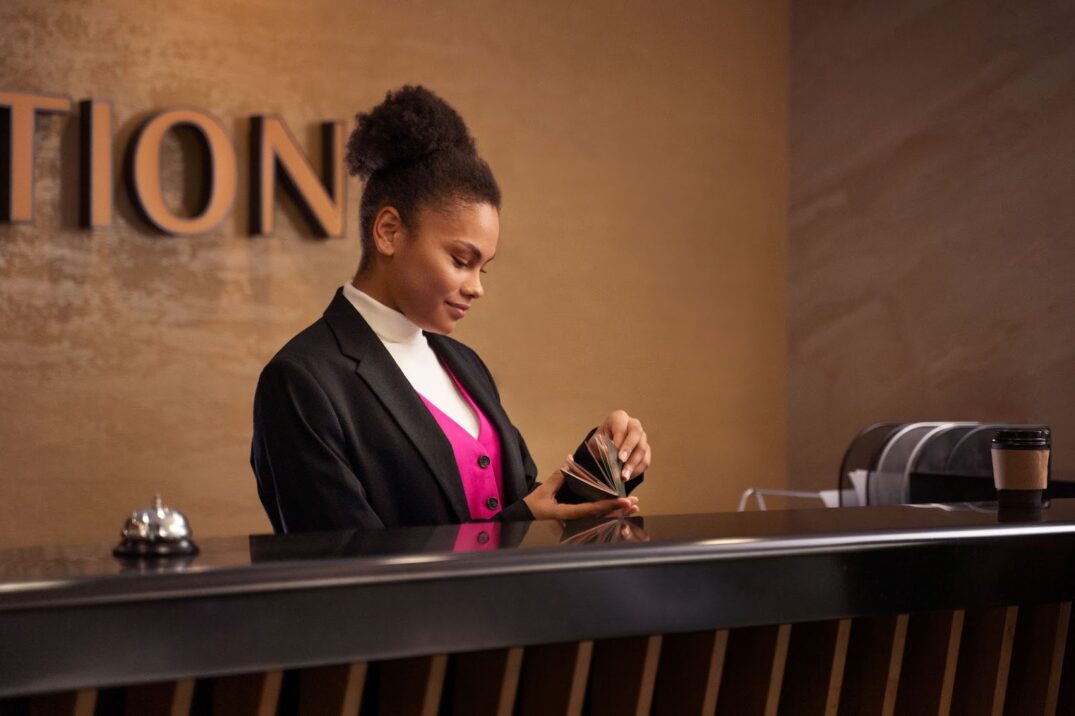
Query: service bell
<point x="157" y="531"/>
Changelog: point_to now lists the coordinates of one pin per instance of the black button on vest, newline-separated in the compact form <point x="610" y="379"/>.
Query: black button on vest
<point x="491" y="503"/>
<point x="483" y="461"/>
<point x="483" y="537"/>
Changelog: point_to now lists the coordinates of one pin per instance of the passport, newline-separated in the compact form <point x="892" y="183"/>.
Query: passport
<point x="595" y="471"/>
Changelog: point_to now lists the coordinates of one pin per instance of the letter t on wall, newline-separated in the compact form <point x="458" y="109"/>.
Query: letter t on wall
<point x="17" y="150"/>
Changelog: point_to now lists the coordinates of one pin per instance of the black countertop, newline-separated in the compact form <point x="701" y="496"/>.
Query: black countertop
<point x="89" y="573"/>
<point x="256" y="602"/>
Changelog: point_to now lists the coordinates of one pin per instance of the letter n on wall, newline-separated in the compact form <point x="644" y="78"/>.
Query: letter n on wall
<point x="274" y="152"/>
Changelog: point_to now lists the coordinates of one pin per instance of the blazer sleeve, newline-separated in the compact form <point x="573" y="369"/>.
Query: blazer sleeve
<point x="519" y="510"/>
<point x="304" y="480"/>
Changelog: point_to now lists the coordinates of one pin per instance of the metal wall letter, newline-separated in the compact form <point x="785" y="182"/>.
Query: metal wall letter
<point x="221" y="180"/>
<point x="95" y="191"/>
<point x="17" y="146"/>
<point x="273" y="148"/>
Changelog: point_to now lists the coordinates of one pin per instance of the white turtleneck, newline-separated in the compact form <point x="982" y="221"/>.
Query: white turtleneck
<point x="410" y="349"/>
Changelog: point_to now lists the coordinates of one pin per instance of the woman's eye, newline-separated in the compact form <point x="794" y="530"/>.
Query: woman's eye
<point x="458" y="263"/>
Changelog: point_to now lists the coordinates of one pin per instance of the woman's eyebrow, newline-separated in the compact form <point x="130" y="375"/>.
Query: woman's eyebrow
<point x="474" y="251"/>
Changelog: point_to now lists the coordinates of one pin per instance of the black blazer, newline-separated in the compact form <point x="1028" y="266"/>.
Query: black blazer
<point x="342" y="440"/>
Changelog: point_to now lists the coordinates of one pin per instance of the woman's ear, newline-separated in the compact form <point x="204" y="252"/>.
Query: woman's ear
<point x="388" y="231"/>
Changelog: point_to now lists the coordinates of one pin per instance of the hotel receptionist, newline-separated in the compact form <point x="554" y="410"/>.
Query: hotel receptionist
<point x="372" y="416"/>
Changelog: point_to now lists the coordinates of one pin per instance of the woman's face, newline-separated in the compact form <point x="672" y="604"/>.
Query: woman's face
<point x="436" y="271"/>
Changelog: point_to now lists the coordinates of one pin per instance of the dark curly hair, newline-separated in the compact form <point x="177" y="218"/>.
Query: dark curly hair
<point x="414" y="151"/>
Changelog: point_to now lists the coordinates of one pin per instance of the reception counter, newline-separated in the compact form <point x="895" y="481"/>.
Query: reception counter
<point x="910" y="609"/>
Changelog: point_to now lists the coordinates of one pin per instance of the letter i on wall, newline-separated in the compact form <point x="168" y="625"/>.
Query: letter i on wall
<point x="95" y="167"/>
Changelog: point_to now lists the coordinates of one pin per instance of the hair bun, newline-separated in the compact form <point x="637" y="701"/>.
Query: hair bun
<point x="409" y="124"/>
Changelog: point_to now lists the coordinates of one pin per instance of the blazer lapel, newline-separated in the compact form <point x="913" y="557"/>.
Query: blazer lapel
<point x="483" y="393"/>
<point x="375" y="365"/>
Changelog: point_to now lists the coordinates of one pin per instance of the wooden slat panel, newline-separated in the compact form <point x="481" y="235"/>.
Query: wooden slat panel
<point x="776" y="673"/>
<point x="1056" y="664"/>
<point x="812" y="664"/>
<point x="332" y="690"/>
<point x="486" y="682"/>
<point x="895" y="667"/>
<point x="166" y="698"/>
<point x="247" y="694"/>
<point x="951" y="659"/>
<point x="753" y="670"/>
<point x="839" y="661"/>
<point x="930" y="656"/>
<point x="872" y="668"/>
<point x="65" y="703"/>
<point x="1041" y="633"/>
<point x="553" y="679"/>
<point x="689" y="673"/>
<point x="1066" y="692"/>
<point x="984" y="657"/>
<point x="412" y="687"/>
<point x="623" y="674"/>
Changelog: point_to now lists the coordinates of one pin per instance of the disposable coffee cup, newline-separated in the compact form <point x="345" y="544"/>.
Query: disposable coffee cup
<point x="1021" y="465"/>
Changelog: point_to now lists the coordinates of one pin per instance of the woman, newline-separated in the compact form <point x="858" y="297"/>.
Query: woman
<point x="372" y="416"/>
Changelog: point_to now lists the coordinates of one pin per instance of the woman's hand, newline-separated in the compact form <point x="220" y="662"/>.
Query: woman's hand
<point x="630" y="438"/>
<point x="542" y="503"/>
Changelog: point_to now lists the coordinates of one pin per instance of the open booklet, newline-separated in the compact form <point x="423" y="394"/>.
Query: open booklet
<point x="595" y="471"/>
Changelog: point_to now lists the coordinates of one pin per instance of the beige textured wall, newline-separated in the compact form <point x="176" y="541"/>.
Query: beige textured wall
<point x="931" y="259"/>
<point x="642" y="155"/>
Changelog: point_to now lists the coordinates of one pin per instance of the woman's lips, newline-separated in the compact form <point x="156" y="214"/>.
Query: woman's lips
<point x="458" y="310"/>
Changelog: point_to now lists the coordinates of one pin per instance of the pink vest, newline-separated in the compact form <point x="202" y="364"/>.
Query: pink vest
<point x="478" y="459"/>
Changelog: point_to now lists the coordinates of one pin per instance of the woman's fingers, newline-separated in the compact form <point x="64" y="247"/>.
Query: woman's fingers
<point x="615" y="426"/>
<point x="623" y="510"/>
<point x="592" y="509"/>
<point x="639" y="459"/>
<point x="542" y="501"/>
<point x="555" y="479"/>
<point x="633" y="448"/>
<point x="630" y="438"/>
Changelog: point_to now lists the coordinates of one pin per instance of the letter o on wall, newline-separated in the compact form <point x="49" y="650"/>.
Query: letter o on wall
<point x="146" y="175"/>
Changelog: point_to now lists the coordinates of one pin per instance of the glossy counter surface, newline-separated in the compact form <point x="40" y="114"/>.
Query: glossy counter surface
<point x="261" y="602"/>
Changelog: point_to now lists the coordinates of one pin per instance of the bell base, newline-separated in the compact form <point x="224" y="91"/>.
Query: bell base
<point x="140" y="548"/>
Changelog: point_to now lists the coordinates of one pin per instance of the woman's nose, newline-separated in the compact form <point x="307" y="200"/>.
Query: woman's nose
<point x="474" y="288"/>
